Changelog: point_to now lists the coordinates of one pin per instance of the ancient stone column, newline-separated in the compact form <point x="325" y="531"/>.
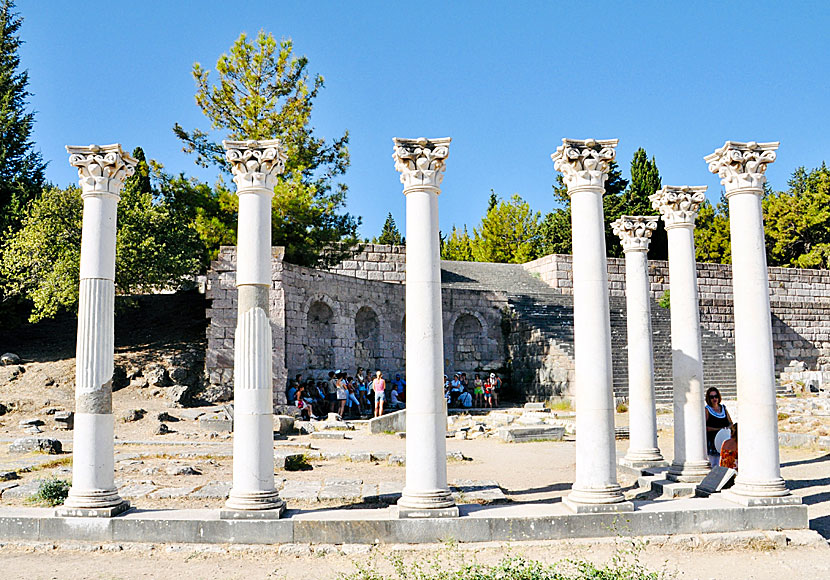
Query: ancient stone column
<point x="101" y="172"/>
<point x="584" y="164"/>
<point x="635" y="235"/>
<point x="421" y="163"/>
<point x="255" y="166"/>
<point x="741" y="167"/>
<point x="678" y="206"/>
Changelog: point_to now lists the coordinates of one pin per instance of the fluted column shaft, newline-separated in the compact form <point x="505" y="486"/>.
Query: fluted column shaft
<point x="255" y="166"/>
<point x="584" y="165"/>
<point x="635" y="235"/>
<point x="101" y="171"/>
<point x="742" y="168"/>
<point x="421" y="163"/>
<point x="678" y="206"/>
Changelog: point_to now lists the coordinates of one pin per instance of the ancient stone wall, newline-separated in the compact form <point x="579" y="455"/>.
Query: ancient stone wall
<point x="327" y="320"/>
<point x="376" y="262"/>
<point x="800" y="302"/>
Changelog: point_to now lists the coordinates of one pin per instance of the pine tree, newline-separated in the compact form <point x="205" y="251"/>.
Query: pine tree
<point x="509" y="233"/>
<point x="21" y="167"/>
<point x="263" y="90"/>
<point x="390" y="234"/>
<point x="459" y="246"/>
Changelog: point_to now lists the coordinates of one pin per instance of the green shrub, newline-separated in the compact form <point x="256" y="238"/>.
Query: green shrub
<point x="665" y="300"/>
<point x="51" y="491"/>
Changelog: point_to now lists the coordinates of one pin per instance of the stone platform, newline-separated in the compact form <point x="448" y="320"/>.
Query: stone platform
<point x="532" y="521"/>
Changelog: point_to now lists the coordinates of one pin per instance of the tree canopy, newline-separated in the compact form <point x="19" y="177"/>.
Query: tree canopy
<point x="262" y="90"/>
<point x="156" y="245"/>
<point x="390" y="234"/>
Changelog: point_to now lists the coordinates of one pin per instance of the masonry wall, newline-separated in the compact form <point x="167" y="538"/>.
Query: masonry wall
<point x="328" y="320"/>
<point x="799" y="299"/>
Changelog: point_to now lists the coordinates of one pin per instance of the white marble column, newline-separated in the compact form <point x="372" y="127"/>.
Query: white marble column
<point x="584" y="165"/>
<point x="678" y="206"/>
<point x="741" y="167"/>
<point x="421" y="163"/>
<point x="635" y="235"/>
<point x="255" y="166"/>
<point x="102" y="172"/>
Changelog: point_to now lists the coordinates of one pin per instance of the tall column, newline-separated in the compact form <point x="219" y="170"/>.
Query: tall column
<point x="421" y="163"/>
<point x="101" y="172"/>
<point x="635" y="235"/>
<point x="255" y="166"/>
<point x="741" y="167"/>
<point x="678" y="206"/>
<point x="584" y="165"/>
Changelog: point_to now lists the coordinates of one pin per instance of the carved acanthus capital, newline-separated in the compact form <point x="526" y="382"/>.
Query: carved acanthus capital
<point x="678" y="204"/>
<point x="101" y="168"/>
<point x="635" y="231"/>
<point x="742" y="166"/>
<point x="421" y="162"/>
<point x="584" y="162"/>
<point x="255" y="164"/>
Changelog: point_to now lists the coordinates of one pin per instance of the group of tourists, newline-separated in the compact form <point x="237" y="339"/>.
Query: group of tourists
<point x="462" y="393"/>
<point x="721" y="432"/>
<point x="350" y="396"/>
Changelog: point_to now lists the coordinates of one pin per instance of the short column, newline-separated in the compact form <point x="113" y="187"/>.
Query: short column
<point x="102" y="172"/>
<point x="421" y="163"/>
<point x="678" y="206"/>
<point x="635" y="234"/>
<point x="255" y="166"/>
<point x="584" y="165"/>
<point x="741" y="167"/>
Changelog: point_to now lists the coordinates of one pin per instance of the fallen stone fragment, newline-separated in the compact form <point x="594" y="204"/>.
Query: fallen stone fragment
<point x="42" y="444"/>
<point x="162" y="429"/>
<point x="213" y="490"/>
<point x="133" y="415"/>
<point x="65" y="420"/>
<point x="9" y="358"/>
<point x="182" y="470"/>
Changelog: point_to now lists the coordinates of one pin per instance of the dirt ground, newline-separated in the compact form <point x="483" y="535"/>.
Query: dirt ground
<point x="527" y="472"/>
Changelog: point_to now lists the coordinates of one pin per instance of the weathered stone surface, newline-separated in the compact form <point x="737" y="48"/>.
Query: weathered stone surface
<point x="137" y="490"/>
<point x="213" y="490"/>
<point x="481" y="492"/>
<point x="182" y="470"/>
<point x="540" y="433"/>
<point x="283" y="424"/>
<point x="341" y="490"/>
<point x="156" y="376"/>
<point x="162" y="429"/>
<point x="283" y="458"/>
<point x="172" y="492"/>
<point x="133" y="415"/>
<point x="41" y="444"/>
<point x="304" y="491"/>
<point x="389" y="423"/>
<point x="65" y="420"/>
<point x="9" y="358"/>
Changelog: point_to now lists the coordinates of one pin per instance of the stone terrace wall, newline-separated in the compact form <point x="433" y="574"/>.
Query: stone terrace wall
<point x="376" y="262"/>
<point x="800" y="302"/>
<point x="323" y="321"/>
<point x="714" y="281"/>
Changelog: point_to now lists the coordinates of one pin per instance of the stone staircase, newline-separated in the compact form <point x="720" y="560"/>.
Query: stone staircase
<point x="540" y="343"/>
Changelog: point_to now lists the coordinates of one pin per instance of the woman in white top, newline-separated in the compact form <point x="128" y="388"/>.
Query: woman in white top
<point x="342" y="394"/>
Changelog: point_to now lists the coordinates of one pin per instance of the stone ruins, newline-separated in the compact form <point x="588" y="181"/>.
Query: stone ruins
<point x="270" y="318"/>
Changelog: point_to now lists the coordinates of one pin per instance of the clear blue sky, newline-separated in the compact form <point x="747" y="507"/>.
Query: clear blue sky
<point x="505" y="80"/>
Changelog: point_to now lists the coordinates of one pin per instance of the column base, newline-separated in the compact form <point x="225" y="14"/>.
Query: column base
<point x="426" y="500"/>
<point x="760" y="493"/>
<point x="688" y="472"/>
<point x="84" y="512"/>
<point x="254" y="501"/>
<point x="405" y="513"/>
<point x="597" y="500"/>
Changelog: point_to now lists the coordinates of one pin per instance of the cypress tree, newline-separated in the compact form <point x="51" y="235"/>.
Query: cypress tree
<point x="21" y="167"/>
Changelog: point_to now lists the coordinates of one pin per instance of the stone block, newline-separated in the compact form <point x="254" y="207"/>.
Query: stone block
<point x="718" y="479"/>
<point x="283" y="424"/>
<point x="388" y="423"/>
<point x="40" y="444"/>
<point x="533" y="433"/>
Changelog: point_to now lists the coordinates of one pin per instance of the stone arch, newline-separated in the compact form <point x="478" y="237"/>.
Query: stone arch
<point x="320" y="335"/>
<point x="367" y="337"/>
<point x="470" y="343"/>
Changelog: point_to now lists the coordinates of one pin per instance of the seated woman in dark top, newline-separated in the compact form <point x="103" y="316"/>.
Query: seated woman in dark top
<point x="717" y="418"/>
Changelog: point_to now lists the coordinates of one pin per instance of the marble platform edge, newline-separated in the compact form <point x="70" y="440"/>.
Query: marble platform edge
<point x="379" y="527"/>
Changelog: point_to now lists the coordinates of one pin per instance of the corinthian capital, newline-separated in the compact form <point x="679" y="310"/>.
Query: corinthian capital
<point x="421" y="161"/>
<point x="101" y="168"/>
<point x="678" y="204"/>
<point x="742" y="165"/>
<point x="635" y="231"/>
<point x="255" y="164"/>
<point x="584" y="162"/>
